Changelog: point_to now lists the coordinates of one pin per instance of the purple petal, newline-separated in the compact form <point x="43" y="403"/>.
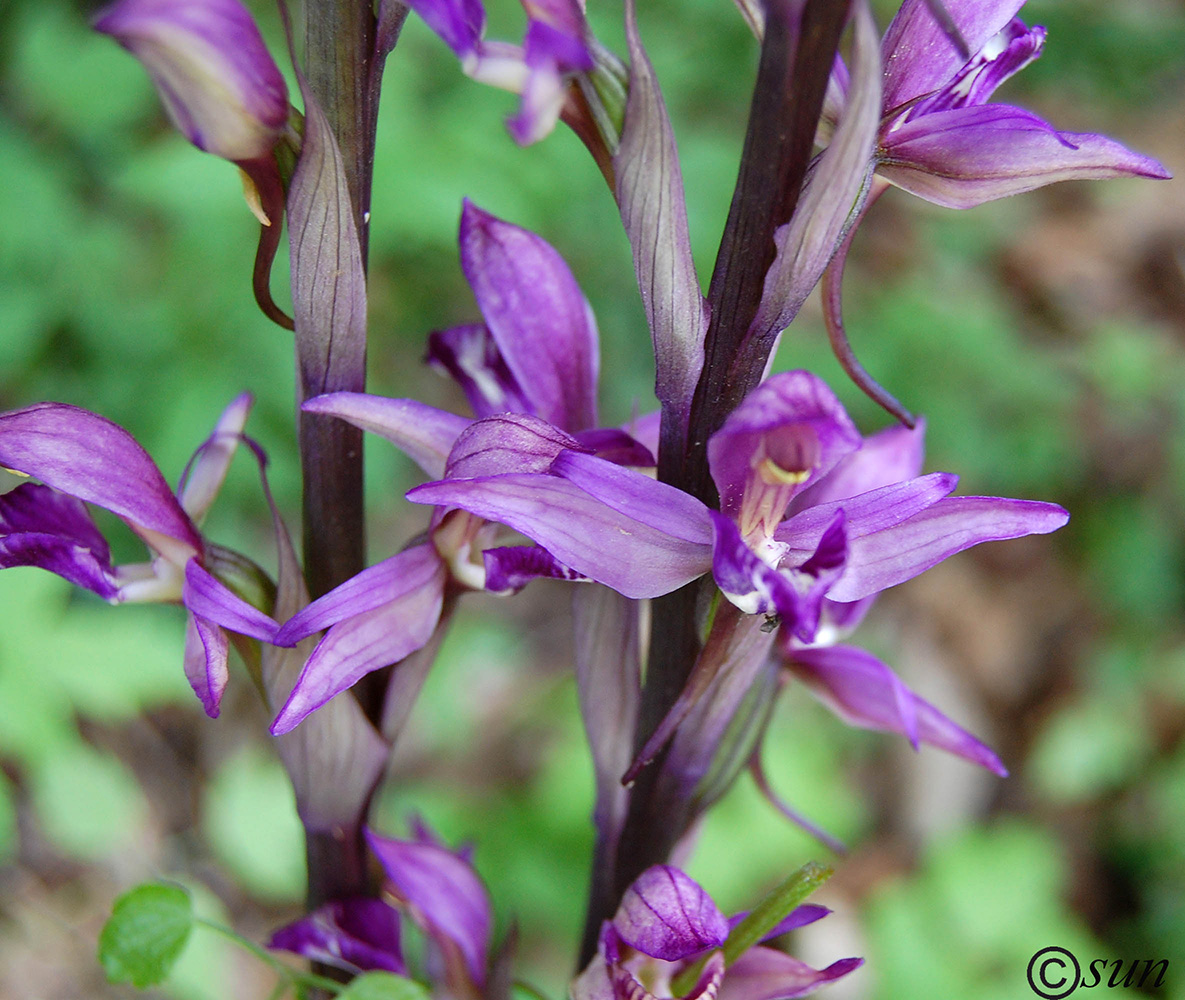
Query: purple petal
<point x="884" y="557"/>
<point x="362" y="643"/>
<point x="666" y="914"/>
<point x="206" y="650"/>
<point x="649" y="192"/>
<point x="212" y="69"/>
<point x="510" y="442"/>
<point x="537" y="315"/>
<point x="919" y="57"/>
<point x="376" y="586"/>
<point x="752" y="585"/>
<point x="444" y="894"/>
<point x="584" y="533"/>
<point x="80" y="453"/>
<point x="1006" y="54"/>
<point x="864" y="692"/>
<point x="211" y="461"/>
<point x="42" y="527"/>
<point x="968" y="156"/>
<point x="887" y="457"/>
<point x="800" y="916"/>
<point x="357" y="935"/>
<point x="618" y="447"/>
<point x="512" y="567"/>
<point x="209" y="598"/>
<point x="459" y="23"/>
<point x="786" y="433"/>
<point x="766" y="974"/>
<point x="470" y="356"/>
<point x="834" y="194"/>
<point x="422" y="432"/>
<point x="550" y="56"/>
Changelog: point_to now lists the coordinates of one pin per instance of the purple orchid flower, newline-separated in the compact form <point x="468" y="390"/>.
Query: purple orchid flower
<point x="553" y="51"/>
<point x="814" y="522"/>
<point x="81" y="458"/>
<point x="212" y="70"/>
<point x="530" y="370"/>
<point x="940" y="139"/>
<point x="667" y="923"/>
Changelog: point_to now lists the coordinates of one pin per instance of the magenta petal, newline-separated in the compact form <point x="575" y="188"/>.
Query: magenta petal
<point x="206" y="650"/>
<point x="616" y="446"/>
<point x="883" y="558"/>
<point x="42" y="527"/>
<point x="537" y="315"/>
<point x="208" y="598"/>
<point x="80" y="453"/>
<point x="893" y="455"/>
<point x="357" y="935"/>
<point x="511" y="568"/>
<point x="967" y="156"/>
<point x="444" y="893"/>
<point x="362" y="643"/>
<point x="374" y="587"/>
<point x="864" y="692"/>
<point x="766" y="974"/>
<point x="422" y="432"/>
<point x="459" y="23"/>
<point x="666" y="914"/>
<point x="800" y="916"/>
<point x="509" y="442"/>
<point x="749" y="583"/>
<point x="583" y="532"/>
<point x="920" y="58"/>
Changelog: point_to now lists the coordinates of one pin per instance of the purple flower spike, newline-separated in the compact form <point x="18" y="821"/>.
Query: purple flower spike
<point x="444" y="896"/>
<point x="668" y="915"/>
<point x="212" y="70"/>
<point x="356" y="935"/>
<point x="864" y="692"/>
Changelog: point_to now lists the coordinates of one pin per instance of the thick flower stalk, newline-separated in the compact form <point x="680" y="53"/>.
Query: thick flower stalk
<point x="79" y="458"/>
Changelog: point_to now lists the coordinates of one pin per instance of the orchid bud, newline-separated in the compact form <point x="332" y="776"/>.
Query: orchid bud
<point x="219" y="84"/>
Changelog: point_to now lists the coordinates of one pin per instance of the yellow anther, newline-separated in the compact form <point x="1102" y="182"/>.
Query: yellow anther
<point x="774" y="475"/>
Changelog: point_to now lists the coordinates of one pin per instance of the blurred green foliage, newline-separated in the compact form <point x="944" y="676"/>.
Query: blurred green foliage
<point x="124" y="264"/>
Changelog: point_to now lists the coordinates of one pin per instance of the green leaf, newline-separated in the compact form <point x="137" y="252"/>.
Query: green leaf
<point x="383" y="986"/>
<point x="147" y="930"/>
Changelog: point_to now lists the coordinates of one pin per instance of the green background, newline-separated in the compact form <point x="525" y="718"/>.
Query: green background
<point x="1043" y="338"/>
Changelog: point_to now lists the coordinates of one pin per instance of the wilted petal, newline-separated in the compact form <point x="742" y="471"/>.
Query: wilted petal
<point x="376" y="586"/>
<point x="212" y="70"/>
<point x="666" y="914"/>
<point x="209" y="598"/>
<point x="967" y="156"/>
<point x="80" y="453"/>
<point x="422" y="432"/>
<point x="766" y="974"/>
<point x="357" y="935"/>
<point x="362" y="643"/>
<point x="649" y="192"/>
<point x="207" y="472"/>
<point x="584" y="533"/>
<point x="864" y="692"/>
<point x="512" y="567"/>
<point x="444" y="894"/>
<point x="469" y="354"/>
<point x="835" y="191"/>
<point x="206" y="650"/>
<point x="537" y="315"/>
<point x="786" y="433"/>
<point x="918" y="55"/>
<point x="882" y="558"/>
<point x="510" y="442"/>
<point x="41" y="527"/>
